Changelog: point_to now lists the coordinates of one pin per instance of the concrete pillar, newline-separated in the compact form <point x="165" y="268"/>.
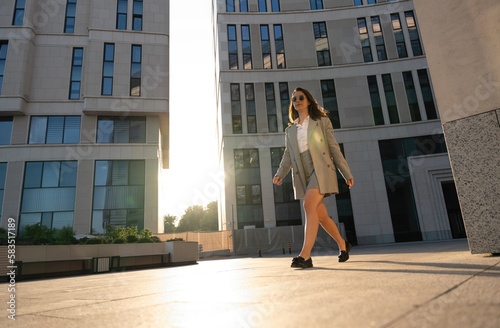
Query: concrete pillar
<point x="462" y="46"/>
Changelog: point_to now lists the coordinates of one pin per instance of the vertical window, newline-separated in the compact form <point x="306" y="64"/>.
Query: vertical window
<point x="244" y="6"/>
<point x="330" y="101"/>
<point x="287" y="208"/>
<point x="230" y="6"/>
<point x="232" y="46"/>
<point x="121" y="14"/>
<point x="379" y="38"/>
<point x="251" y="110"/>
<point x="272" y="119"/>
<point x="135" y="70"/>
<point x="425" y="86"/>
<point x="399" y="36"/>
<point x="54" y="130"/>
<point x="3" y="59"/>
<point x="266" y="47"/>
<point x="365" y="40"/>
<point x="285" y="103"/>
<point x="262" y="6"/>
<point x="371" y="2"/>
<point x="390" y="98"/>
<point x="358" y="2"/>
<point x="236" y="108"/>
<point x="316" y="4"/>
<point x="5" y="129"/>
<point x="48" y="194"/>
<point x="246" y="44"/>
<point x="17" y="20"/>
<point x="412" y="30"/>
<point x="275" y="5"/>
<point x="322" y="50"/>
<point x="76" y="74"/>
<point x="69" y="23"/>
<point x="3" y="174"/>
<point x="137" y="15"/>
<point x="280" y="46"/>
<point x="121" y="130"/>
<point x="248" y="188"/>
<point x="118" y="194"/>
<point x="108" y="69"/>
<point x="378" y="116"/>
<point x="411" y="95"/>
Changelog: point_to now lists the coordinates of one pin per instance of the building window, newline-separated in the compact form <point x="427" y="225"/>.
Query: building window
<point x="76" y="74"/>
<point x="69" y="24"/>
<point x="330" y="101"/>
<point x="262" y="6"/>
<point x="135" y="70"/>
<point x="316" y="4"/>
<point x="358" y="2"/>
<point x="121" y="14"/>
<point x="232" y="46"/>
<point x="246" y="44"/>
<point x="251" y="110"/>
<point x="275" y="6"/>
<point x="5" y="129"/>
<point x="365" y="40"/>
<point x="137" y="15"/>
<point x="108" y="69"/>
<point x="411" y="95"/>
<point x="378" y="115"/>
<point x="286" y="207"/>
<point x="425" y="86"/>
<point x="244" y="6"/>
<point x="230" y="8"/>
<point x="54" y="130"/>
<point x="118" y="195"/>
<point x="399" y="36"/>
<point x="17" y="20"/>
<point x="368" y="2"/>
<point x="121" y="129"/>
<point x="414" y="37"/>
<point x="322" y="50"/>
<point x="48" y="194"/>
<point x="390" y="98"/>
<point x="236" y="108"/>
<point x="3" y="58"/>
<point x="248" y="188"/>
<point x="3" y="174"/>
<point x="285" y="103"/>
<point x="379" y="38"/>
<point x="266" y="47"/>
<point x="272" y="119"/>
<point x="280" y="46"/>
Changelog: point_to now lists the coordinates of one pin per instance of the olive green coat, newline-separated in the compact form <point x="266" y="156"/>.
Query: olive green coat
<point x="325" y="153"/>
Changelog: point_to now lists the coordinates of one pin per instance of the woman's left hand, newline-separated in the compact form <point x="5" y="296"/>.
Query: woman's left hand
<point x="350" y="182"/>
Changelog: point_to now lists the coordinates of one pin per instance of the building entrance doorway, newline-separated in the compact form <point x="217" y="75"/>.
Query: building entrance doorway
<point x="453" y="210"/>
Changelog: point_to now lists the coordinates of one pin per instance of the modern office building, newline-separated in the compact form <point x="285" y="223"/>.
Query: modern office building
<point x="84" y="116"/>
<point x="364" y="61"/>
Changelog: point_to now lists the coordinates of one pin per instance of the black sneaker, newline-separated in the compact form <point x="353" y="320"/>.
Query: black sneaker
<point x="344" y="255"/>
<point x="299" y="262"/>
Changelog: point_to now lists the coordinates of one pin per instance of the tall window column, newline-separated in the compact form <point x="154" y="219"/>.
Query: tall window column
<point x="322" y="50"/>
<point x="272" y="119"/>
<point x="279" y="44"/>
<point x="266" y="47"/>
<point x="232" y="46"/>
<point x="250" y="106"/>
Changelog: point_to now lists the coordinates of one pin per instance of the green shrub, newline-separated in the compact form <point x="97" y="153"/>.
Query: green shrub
<point x="92" y="241"/>
<point x="132" y="239"/>
<point x="175" y="239"/>
<point x="38" y="234"/>
<point x="145" y="240"/>
<point x="156" y="239"/>
<point x="119" y="241"/>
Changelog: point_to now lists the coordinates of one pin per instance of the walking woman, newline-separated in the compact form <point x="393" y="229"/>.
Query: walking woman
<point x="313" y="154"/>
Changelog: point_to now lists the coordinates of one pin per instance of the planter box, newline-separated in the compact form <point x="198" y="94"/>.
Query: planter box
<point x="182" y="251"/>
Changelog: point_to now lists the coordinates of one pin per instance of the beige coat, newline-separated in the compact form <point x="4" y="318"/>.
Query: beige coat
<point x="325" y="153"/>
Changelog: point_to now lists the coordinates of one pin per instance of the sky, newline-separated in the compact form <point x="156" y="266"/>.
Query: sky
<point x="193" y="177"/>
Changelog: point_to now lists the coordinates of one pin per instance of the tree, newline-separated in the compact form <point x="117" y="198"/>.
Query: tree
<point x="196" y="218"/>
<point x="169" y="223"/>
<point x="211" y="218"/>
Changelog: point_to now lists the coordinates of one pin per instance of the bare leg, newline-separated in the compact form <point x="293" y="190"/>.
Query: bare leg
<point x="329" y="225"/>
<point x="311" y="201"/>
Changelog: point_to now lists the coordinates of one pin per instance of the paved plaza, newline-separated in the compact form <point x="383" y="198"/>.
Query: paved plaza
<point x="425" y="284"/>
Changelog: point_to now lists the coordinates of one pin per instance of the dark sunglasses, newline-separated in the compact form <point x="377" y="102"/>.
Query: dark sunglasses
<point x="294" y="99"/>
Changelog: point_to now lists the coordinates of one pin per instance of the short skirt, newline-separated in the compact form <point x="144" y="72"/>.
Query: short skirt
<point x="307" y="163"/>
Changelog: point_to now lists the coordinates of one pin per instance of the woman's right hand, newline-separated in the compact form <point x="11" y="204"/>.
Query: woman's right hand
<point x="277" y="180"/>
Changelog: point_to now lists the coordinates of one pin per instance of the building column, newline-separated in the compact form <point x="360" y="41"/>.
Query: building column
<point x="462" y="47"/>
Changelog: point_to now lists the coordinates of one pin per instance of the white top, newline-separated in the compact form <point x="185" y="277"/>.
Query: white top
<point x="302" y="134"/>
